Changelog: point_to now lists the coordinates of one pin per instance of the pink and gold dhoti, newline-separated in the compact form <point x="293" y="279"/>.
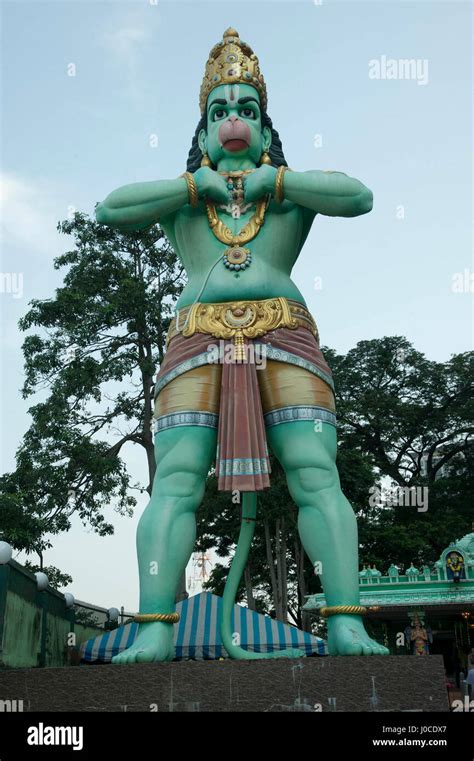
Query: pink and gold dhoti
<point x="241" y="367"/>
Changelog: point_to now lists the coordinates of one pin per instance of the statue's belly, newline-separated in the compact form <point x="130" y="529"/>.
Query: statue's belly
<point x="259" y="281"/>
<point x="273" y="254"/>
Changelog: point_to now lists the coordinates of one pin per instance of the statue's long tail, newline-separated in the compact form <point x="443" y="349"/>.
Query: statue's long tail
<point x="237" y="567"/>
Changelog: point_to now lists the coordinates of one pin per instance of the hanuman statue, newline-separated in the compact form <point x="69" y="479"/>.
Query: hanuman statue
<point x="243" y="369"/>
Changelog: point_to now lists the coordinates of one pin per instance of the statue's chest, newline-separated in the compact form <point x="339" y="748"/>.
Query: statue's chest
<point x="246" y="223"/>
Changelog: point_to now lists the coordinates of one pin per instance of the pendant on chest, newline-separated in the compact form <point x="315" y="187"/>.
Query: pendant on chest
<point x="237" y="258"/>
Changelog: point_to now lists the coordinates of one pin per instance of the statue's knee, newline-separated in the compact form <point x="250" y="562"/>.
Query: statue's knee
<point x="181" y="484"/>
<point x="306" y="482"/>
<point x="174" y="494"/>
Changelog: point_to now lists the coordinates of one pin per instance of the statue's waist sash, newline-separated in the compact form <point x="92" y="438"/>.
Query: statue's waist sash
<point x="285" y="331"/>
<point x="239" y="319"/>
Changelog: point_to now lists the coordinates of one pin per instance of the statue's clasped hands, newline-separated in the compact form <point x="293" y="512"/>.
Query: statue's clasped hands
<point x="257" y="184"/>
<point x="211" y="184"/>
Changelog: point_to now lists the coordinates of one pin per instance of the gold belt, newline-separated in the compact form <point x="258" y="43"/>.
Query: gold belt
<point x="236" y="319"/>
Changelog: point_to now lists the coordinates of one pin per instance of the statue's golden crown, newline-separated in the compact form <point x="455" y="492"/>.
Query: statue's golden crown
<point x="232" y="61"/>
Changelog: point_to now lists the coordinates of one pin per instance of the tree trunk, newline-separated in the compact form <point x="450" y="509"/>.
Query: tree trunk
<point x="304" y="619"/>
<point x="280" y="550"/>
<point x="148" y="404"/>
<point x="284" y="572"/>
<point x="248" y="588"/>
<point x="182" y="592"/>
<point x="271" y="566"/>
<point x="278" y="609"/>
<point x="150" y="456"/>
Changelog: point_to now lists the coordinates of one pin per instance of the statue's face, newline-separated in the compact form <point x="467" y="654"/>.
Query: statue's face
<point x="234" y="125"/>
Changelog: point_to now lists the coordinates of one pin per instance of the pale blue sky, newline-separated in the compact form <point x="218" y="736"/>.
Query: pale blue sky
<point x="67" y="141"/>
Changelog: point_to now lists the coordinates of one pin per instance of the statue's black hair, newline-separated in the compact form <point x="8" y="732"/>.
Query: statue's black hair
<point x="275" y="151"/>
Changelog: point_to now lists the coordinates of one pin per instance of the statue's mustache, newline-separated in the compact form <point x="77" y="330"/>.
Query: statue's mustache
<point x="234" y="130"/>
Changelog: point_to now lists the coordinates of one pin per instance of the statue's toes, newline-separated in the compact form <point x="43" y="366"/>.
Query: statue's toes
<point x="351" y="648"/>
<point x="128" y="656"/>
<point x="373" y="648"/>
<point x="147" y="655"/>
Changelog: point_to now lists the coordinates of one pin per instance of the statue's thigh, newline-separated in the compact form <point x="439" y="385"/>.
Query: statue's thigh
<point x="186" y="420"/>
<point x="195" y="391"/>
<point x="299" y="413"/>
<point x="301" y="446"/>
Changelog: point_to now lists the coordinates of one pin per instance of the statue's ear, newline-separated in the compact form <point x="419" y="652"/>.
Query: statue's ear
<point x="266" y="138"/>
<point x="202" y="141"/>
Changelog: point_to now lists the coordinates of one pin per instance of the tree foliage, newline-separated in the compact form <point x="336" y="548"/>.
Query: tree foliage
<point x="56" y="578"/>
<point x="90" y="357"/>
<point x="412" y="415"/>
<point x="414" y="418"/>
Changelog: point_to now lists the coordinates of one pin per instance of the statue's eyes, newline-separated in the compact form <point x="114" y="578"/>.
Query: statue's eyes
<point x="219" y="114"/>
<point x="248" y="113"/>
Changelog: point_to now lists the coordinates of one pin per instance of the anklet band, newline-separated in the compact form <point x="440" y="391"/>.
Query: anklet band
<point x="167" y="618"/>
<point x="352" y="610"/>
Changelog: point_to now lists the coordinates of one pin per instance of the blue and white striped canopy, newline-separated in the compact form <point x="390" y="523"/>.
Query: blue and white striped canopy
<point x="197" y="633"/>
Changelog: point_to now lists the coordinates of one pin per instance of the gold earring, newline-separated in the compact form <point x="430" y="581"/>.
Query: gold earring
<point x="265" y="158"/>
<point x="206" y="161"/>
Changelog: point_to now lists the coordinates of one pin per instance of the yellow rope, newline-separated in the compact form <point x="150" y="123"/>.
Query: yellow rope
<point x="167" y="618"/>
<point x="351" y="610"/>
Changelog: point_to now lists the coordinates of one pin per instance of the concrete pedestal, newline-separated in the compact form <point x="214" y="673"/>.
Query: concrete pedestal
<point x="390" y="683"/>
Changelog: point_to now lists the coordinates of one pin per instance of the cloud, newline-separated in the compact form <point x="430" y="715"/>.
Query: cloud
<point x="127" y="37"/>
<point x="29" y="214"/>
<point x="125" y="43"/>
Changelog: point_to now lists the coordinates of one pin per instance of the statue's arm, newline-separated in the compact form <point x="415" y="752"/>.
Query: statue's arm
<point x="137" y="206"/>
<point x="331" y="193"/>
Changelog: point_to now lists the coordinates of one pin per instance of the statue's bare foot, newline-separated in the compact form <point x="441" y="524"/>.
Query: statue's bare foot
<point x="347" y="636"/>
<point x="153" y="643"/>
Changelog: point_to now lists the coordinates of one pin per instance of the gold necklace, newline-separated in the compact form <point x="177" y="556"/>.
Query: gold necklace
<point x="236" y="257"/>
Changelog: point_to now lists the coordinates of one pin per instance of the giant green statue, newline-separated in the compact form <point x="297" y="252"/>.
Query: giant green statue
<point x="243" y="366"/>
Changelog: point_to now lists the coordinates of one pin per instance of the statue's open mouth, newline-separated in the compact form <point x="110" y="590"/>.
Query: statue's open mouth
<point x="235" y="144"/>
<point x="234" y="135"/>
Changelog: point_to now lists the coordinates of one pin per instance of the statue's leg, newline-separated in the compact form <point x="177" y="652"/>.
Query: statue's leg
<point x="166" y="533"/>
<point x="326" y="524"/>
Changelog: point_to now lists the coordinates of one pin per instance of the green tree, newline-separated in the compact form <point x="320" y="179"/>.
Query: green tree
<point x="412" y="415"/>
<point x="91" y="365"/>
<point x="56" y="578"/>
<point x="414" y="419"/>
